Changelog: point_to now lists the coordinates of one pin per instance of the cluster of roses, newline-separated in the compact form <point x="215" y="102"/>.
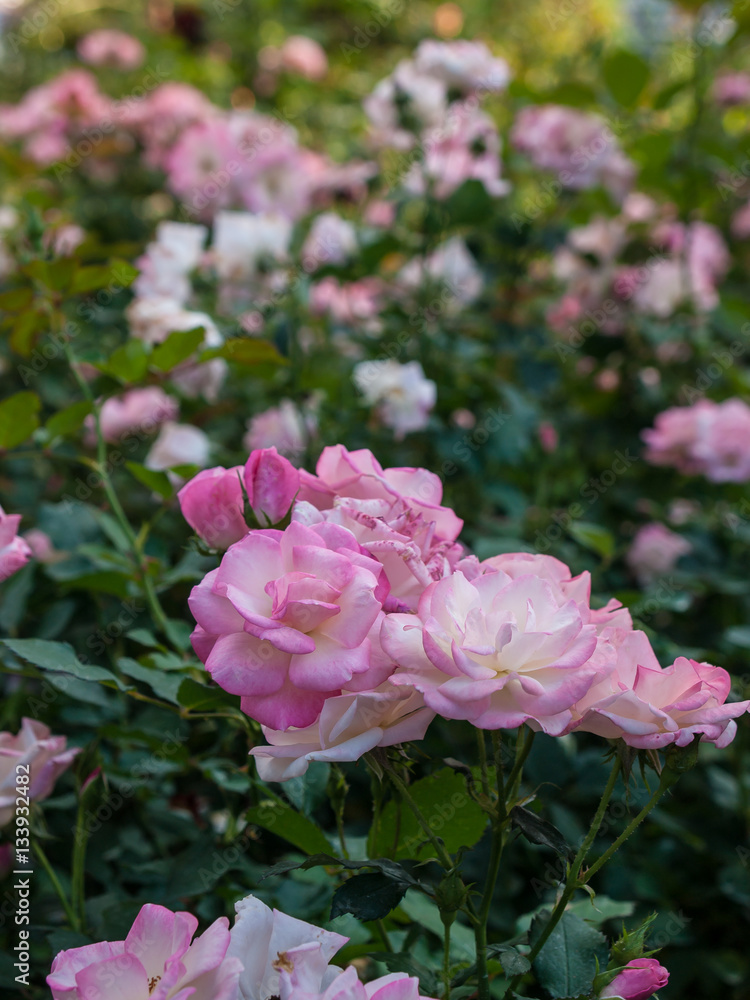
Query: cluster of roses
<point x="265" y="955"/>
<point x="708" y="438"/>
<point x="349" y="616"/>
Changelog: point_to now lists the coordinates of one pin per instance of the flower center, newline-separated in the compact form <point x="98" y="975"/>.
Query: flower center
<point x="152" y="983"/>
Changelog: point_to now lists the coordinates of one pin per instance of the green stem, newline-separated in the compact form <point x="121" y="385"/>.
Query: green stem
<point x="572" y="881"/>
<point x="78" y="875"/>
<point x="482" y="747"/>
<point x="524" y="743"/>
<point x="157" y="611"/>
<point x="384" y="934"/>
<point x="445" y="859"/>
<point x="69" y="911"/>
<point x="447" y="959"/>
<point x="666" y="781"/>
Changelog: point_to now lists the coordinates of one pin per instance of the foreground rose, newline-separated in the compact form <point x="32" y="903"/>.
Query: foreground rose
<point x="14" y="551"/>
<point x="284" y="620"/>
<point x="396" y="986"/>
<point x="639" y="980"/>
<point x="401" y="539"/>
<point x="156" y="961"/>
<point x="272" y="483"/>
<point x="44" y="757"/>
<point x="212" y="504"/>
<point x="359" y="475"/>
<point x="266" y="940"/>
<point x="349" y="725"/>
<point x="651" y="708"/>
<point x="496" y="651"/>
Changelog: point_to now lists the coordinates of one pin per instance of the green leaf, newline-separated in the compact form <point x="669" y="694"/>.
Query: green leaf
<point x="594" y="537"/>
<point x="202" y="697"/>
<point x="118" y="274"/>
<point x="448" y="808"/>
<point x="368" y="897"/>
<point x="61" y="658"/>
<point x="18" y="418"/>
<point x="25" y="329"/>
<point x="247" y="351"/>
<point x="625" y="74"/>
<point x="283" y="821"/>
<point x="513" y="963"/>
<point x="156" y="481"/>
<point x="176" y="348"/>
<point x="16" y="299"/>
<point x="539" y="831"/>
<point x="69" y="420"/>
<point x="567" y="964"/>
<point x="128" y="363"/>
<point x="165" y="685"/>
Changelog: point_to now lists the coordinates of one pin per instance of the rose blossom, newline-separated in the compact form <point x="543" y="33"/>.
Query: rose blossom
<point x="452" y="265"/>
<point x="650" y="708"/>
<point x="283" y="427"/>
<point x="640" y="979"/>
<point x="242" y="240"/>
<point x="169" y="259"/>
<point x="261" y="938"/>
<point x="496" y="651"/>
<point x="331" y="240"/>
<point x="42" y="547"/>
<point x="346" y="986"/>
<point x="156" y="961"/>
<point x="212" y="504"/>
<point x="285" y="619"/>
<point x="465" y="65"/>
<point x="404" y="103"/>
<point x="350" y="725"/>
<point x="359" y="475"/>
<point x="303" y="55"/>
<point x="403" y="396"/>
<point x="14" y="551"/>
<point x="165" y="113"/>
<point x="43" y="756"/>
<point x="709" y="438"/>
<point x="108" y="47"/>
<point x="140" y="410"/>
<point x="272" y="483"/>
<point x="178" y="444"/>
<point x="655" y="551"/>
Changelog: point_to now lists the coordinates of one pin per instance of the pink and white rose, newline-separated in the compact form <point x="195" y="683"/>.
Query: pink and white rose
<point x="14" y="551"/>
<point x="42" y="757"/>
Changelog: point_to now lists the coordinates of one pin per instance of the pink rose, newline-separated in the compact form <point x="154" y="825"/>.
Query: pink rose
<point x="346" y="986"/>
<point x="349" y="725"/>
<point x="639" y="980"/>
<point x="283" y="427"/>
<point x="260" y="936"/>
<point x="651" y="708"/>
<point x="272" y="483"/>
<point x="43" y="756"/>
<point x="42" y="548"/>
<point x="140" y="411"/>
<point x="285" y="619"/>
<point x="213" y="505"/>
<point x="304" y="56"/>
<point x="14" y="551"/>
<point x="400" y="538"/>
<point x="709" y="438"/>
<point x="359" y="475"/>
<point x="155" y="961"/>
<point x="108" y="47"/>
<point x="497" y="651"/>
<point x="731" y="88"/>
<point x="654" y="552"/>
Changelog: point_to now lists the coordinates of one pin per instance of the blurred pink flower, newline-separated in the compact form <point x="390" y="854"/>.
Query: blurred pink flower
<point x="548" y="436"/>
<point x="578" y="146"/>
<point x="355" y="303"/>
<point x="35" y="753"/>
<point x="156" y="961"/>
<point x="331" y="240"/>
<point x="285" y="619"/>
<point x="708" y="438"/>
<point x="14" y="551"/>
<point x="404" y="397"/>
<point x="138" y="412"/>
<point x="178" y="444"/>
<point x="283" y="427"/>
<point x="107" y="47"/>
<point x="42" y="549"/>
<point x="655" y="551"/>
<point x="304" y="56"/>
<point x="163" y="115"/>
<point x="731" y="88"/>
<point x="467" y="66"/>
